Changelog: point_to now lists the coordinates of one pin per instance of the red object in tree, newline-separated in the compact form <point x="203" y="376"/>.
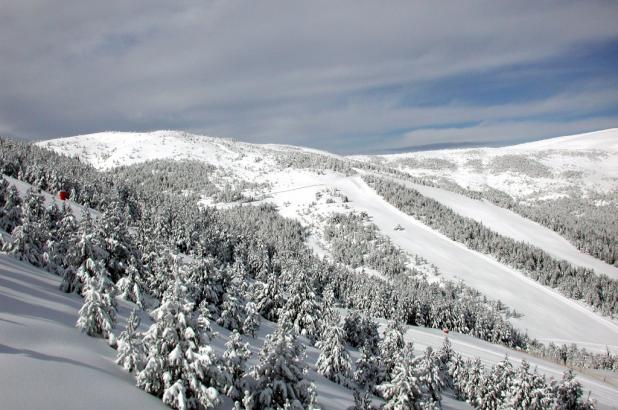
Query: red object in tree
<point x="63" y="195"/>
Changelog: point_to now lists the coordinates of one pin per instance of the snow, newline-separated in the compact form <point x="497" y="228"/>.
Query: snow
<point x="592" y="157"/>
<point x="45" y="362"/>
<point x="606" y="140"/>
<point x="508" y="223"/>
<point x="547" y="315"/>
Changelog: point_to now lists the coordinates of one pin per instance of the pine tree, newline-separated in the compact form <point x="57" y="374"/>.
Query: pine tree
<point x="568" y="394"/>
<point x="475" y="381"/>
<point x="233" y="312"/>
<point x="179" y="369"/>
<point x="523" y="386"/>
<point x="11" y="215"/>
<point x="268" y="298"/>
<point x="369" y="370"/>
<point x="334" y="360"/>
<point x="30" y="237"/>
<point x="130" y="287"/>
<point x="458" y="376"/>
<point x="98" y="313"/>
<point x="235" y="359"/>
<point x="391" y="345"/>
<point x="130" y="348"/>
<point x="405" y="389"/>
<point x="429" y="369"/>
<point x="362" y="401"/>
<point x="252" y="321"/>
<point x="302" y="309"/>
<point x="279" y="378"/>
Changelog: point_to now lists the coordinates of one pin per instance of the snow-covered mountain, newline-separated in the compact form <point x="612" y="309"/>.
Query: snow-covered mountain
<point x="302" y="192"/>
<point x="499" y="194"/>
<point x="584" y="163"/>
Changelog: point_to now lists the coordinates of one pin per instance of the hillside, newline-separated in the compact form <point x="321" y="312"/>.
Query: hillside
<point x="294" y="186"/>
<point x="329" y="263"/>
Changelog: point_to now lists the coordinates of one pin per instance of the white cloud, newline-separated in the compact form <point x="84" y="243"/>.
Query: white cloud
<point x="286" y="71"/>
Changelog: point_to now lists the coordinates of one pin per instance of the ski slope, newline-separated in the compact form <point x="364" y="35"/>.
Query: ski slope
<point x="512" y="225"/>
<point x="547" y="315"/>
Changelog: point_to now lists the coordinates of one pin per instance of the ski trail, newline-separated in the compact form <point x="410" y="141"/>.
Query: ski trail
<point x="546" y="313"/>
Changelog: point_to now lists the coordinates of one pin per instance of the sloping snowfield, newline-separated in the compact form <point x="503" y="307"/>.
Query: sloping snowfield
<point x="508" y="223"/>
<point x="547" y="315"/>
<point x="47" y="363"/>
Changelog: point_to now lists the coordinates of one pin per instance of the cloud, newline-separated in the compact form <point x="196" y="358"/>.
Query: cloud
<point x="320" y="73"/>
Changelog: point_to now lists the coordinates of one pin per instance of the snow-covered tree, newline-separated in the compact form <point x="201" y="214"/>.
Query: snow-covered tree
<point x="369" y="369"/>
<point x="527" y="390"/>
<point x="569" y="394"/>
<point x="301" y="308"/>
<point x="98" y="313"/>
<point x="458" y="376"/>
<point x="428" y="366"/>
<point x="30" y="237"/>
<point x="406" y="388"/>
<point x="130" y="347"/>
<point x="11" y="215"/>
<point x="391" y="345"/>
<point x="235" y="359"/>
<point x="362" y="401"/>
<point x="179" y="369"/>
<point x="233" y="312"/>
<point x="252" y="320"/>
<point x="278" y="381"/>
<point x="334" y="360"/>
<point x="130" y="286"/>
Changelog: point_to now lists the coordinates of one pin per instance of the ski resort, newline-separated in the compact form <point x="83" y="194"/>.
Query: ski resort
<point x="287" y="205"/>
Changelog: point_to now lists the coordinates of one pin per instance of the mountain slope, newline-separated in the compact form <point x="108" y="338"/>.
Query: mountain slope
<point x="295" y="189"/>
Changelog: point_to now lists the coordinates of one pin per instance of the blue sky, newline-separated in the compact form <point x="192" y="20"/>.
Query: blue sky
<point x="348" y="76"/>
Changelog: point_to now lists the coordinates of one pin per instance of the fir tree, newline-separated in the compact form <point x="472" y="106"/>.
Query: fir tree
<point x="179" y="369"/>
<point x="252" y="320"/>
<point x="391" y="345"/>
<point x="301" y="308"/>
<point x="233" y="313"/>
<point x="279" y="378"/>
<point x="130" y="348"/>
<point x="369" y="370"/>
<point x="11" y="215"/>
<point x="268" y="299"/>
<point x="569" y="394"/>
<point x="130" y="287"/>
<point x="98" y="313"/>
<point x="405" y="389"/>
<point x="234" y="359"/>
<point x="334" y="360"/>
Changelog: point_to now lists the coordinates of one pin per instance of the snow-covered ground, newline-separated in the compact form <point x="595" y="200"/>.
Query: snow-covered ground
<point x="547" y="315"/>
<point x="549" y="168"/>
<point x="508" y="223"/>
<point x="45" y="362"/>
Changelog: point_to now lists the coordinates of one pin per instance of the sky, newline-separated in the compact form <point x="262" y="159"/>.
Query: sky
<point x="344" y="76"/>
